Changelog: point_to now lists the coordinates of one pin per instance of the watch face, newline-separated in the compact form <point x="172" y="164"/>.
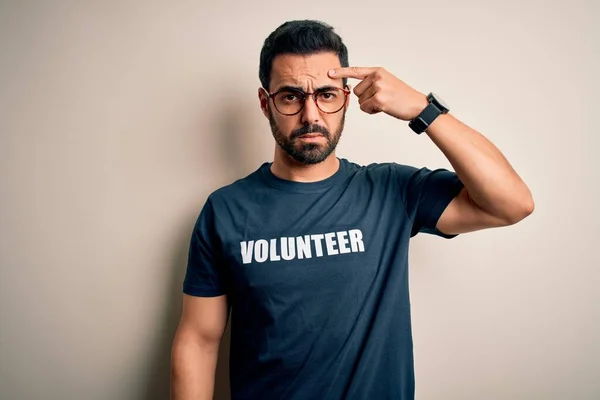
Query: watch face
<point x="439" y="100"/>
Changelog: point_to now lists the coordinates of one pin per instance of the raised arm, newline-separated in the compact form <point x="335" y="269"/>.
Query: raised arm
<point x="493" y="195"/>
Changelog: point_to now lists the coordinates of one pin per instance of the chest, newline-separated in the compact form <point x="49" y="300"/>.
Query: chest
<point x="335" y="242"/>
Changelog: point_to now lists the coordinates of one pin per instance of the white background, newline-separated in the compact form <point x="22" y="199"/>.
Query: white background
<point x="117" y="119"/>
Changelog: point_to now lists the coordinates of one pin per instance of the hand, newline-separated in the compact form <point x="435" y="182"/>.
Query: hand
<point x="380" y="91"/>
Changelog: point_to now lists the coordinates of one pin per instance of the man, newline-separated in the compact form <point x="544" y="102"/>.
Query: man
<point x="310" y="251"/>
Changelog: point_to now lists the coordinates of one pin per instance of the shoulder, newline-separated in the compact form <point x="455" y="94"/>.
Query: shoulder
<point x="237" y="190"/>
<point x="390" y="169"/>
<point x="405" y="178"/>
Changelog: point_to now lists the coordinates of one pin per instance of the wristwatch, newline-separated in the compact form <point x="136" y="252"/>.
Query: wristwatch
<point x="434" y="109"/>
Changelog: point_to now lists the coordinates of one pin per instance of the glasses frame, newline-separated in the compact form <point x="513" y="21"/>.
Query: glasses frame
<point x="307" y="94"/>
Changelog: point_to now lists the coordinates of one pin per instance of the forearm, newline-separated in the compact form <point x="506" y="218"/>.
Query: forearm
<point x="492" y="184"/>
<point x="193" y="366"/>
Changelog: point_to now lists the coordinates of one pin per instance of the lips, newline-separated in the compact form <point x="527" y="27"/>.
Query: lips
<point x="310" y="132"/>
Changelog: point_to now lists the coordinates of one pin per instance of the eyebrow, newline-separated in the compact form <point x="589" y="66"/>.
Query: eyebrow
<point x="300" y="89"/>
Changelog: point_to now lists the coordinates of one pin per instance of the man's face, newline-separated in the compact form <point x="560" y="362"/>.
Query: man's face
<point x="311" y="135"/>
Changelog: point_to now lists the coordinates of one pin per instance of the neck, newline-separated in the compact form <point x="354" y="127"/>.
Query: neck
<point x="285" y="167"/>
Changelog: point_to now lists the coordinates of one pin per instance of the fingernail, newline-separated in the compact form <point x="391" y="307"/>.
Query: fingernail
<point x="332" y="72"/>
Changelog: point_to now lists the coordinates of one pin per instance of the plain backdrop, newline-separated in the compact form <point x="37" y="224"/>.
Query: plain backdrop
<point x="118" y="118"/>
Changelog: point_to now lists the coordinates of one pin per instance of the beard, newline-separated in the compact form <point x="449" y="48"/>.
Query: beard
<point x="307" y="153"/>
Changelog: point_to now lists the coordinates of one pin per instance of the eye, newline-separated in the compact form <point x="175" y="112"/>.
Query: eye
<point x="289" y="97"/>
<point x="328" y="95"/>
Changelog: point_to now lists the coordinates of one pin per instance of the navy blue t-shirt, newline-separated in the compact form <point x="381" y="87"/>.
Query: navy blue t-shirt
<point x="317" y="277"/>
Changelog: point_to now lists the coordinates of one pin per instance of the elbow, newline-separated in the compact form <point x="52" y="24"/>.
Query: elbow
<point x="523" y="208"/>
<point x="189" y="340"/>
<point x="529" y="205"/>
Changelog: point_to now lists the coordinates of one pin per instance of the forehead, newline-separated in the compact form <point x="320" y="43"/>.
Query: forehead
<point x="305" y="71"/>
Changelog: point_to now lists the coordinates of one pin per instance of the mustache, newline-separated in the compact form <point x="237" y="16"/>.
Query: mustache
<point x="310" y="129"/>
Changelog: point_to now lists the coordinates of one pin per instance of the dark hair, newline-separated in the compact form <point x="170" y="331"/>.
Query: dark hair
<point x="300" y="37"/>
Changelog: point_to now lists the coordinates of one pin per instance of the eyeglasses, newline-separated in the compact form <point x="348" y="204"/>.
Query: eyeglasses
<point x="290" y="101"/>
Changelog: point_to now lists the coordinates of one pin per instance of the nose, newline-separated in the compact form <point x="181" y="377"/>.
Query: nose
<point x="310" y="113"/>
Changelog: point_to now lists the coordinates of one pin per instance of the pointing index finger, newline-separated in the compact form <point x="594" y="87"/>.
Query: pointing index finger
<point x="351" y="72"/>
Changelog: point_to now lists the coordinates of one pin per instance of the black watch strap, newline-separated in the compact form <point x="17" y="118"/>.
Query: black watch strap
<point x="428" y="115"/>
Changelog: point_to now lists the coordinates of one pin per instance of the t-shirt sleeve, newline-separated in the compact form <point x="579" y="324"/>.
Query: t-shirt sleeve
<point x="205" y="274"/>
<point x="426" y="194"/>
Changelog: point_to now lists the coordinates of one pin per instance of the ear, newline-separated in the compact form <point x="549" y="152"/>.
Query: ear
<point x="263" y="98"/>
<point x="348" y="87"/>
